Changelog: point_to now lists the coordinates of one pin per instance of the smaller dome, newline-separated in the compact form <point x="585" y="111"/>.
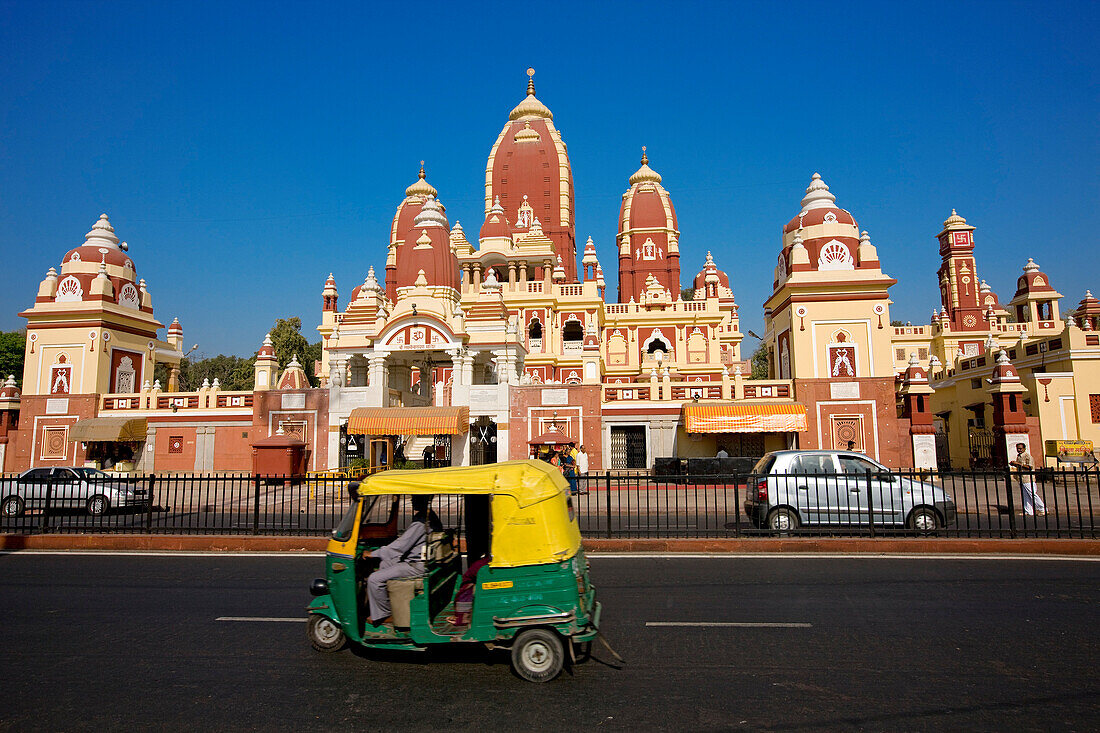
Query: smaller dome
<point x="527" y="135"/>
<point x="700" y="281"/>
<point x="645" y="173"/>
<point x="8" y="390"/>
<point x="431" y="214"/>
<point x="175" y="329"/>
<point x="267" y="351"/>
<point x="496" y="226"/>
<point x="531" y="108"/>
<point x="100" y="246"/>
<point x="421" y="188"/>
<point x="953" y="220"/>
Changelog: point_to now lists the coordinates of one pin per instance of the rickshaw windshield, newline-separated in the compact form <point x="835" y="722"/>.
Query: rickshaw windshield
<point x="346" y="526"/>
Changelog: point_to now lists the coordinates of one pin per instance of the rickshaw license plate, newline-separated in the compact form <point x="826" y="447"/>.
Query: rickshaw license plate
<point x="497" y="584"/>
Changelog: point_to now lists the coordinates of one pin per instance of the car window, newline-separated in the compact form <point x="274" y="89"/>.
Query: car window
<point x="764" y="464"/>
<point x="855" y="464"/>
<point x="37" y="474"/>
<point x="64" y="474"/>
<point x="813" y="464"/>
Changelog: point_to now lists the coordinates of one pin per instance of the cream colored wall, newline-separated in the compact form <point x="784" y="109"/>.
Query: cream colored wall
<point x="824" y="320"/>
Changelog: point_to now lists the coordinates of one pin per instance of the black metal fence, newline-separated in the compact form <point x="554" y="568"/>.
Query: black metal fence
<point x="976" y="504"/>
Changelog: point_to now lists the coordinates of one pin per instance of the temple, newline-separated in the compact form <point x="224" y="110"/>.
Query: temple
<point x="468" y="344"/>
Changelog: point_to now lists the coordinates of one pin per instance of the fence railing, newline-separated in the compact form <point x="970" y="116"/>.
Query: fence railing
<point x="1061" y="503"/>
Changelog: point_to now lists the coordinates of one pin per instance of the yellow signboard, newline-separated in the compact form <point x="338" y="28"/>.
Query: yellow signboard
<point x="1069" y="448"/>
<point x="497" y="584"/>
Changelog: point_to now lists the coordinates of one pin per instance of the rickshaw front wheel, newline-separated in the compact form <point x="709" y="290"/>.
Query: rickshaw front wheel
<point x="325" y="634"/>
<point x="538" y="655"/>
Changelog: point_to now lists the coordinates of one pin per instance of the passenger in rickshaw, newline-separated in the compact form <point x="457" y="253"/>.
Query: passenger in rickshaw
<point x="402" y="558"/>
<point x="464" y="599"/>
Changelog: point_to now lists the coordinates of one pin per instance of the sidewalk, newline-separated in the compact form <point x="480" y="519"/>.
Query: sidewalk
<point x="252" y="543"/>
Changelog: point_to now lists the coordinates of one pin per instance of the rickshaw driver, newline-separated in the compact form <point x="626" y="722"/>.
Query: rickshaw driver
<point x="401" y="558"/>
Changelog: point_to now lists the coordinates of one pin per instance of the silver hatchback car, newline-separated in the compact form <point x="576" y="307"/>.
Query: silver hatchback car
<point x="72" y="488"/>
<point x="792" y="488"/>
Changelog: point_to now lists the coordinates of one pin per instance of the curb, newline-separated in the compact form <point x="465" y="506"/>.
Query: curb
<point x="796" y="545"/>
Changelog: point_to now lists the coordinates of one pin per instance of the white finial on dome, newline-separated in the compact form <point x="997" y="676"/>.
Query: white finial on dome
<point x="913" y="360"/>
<point x="1088" y="293"/>
<point x="1031" y="266"/>
<point x="205" y="383"/>
<point x="371" y="283"/>
<point x="817" y="195"/>
<point x="216" y="384"/>
<point x="102" y="234"/>
<point x="497" y="208"/>
<point x="267" y="340"/>
<point x="431" y="214"/>
<point x="1070" y="321"/>
<point x="710" y="259"/>
<point x="1002" y="358"/>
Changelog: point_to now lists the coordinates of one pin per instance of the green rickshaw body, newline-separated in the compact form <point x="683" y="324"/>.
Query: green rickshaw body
<point x="538" y="576"/>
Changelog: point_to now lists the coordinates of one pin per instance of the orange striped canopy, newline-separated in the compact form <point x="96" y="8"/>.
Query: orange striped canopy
<point x="409" y="421"/>
<point x="745" y="418"/>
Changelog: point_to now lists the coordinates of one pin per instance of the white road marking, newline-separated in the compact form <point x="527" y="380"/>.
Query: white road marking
<point x="261" y="618"/>
<point x="737" y="624"/>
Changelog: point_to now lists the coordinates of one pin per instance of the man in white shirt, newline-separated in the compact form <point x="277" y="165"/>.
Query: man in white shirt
<point x="582" y="470"/>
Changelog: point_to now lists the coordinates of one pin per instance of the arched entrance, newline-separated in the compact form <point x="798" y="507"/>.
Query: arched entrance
<point x="483" y="441"/>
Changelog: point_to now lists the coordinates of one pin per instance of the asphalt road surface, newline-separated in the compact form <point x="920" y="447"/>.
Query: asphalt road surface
<point x="107" y="642"/>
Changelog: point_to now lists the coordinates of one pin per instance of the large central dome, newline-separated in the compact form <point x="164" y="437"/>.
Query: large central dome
<point x="529" y="167"/>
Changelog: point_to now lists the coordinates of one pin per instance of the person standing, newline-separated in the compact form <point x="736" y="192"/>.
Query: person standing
<point x="428" y="455"/>
<point x="582" y="469"/>
<point x="1033" y="503"/>
<point x="569" y="468"/>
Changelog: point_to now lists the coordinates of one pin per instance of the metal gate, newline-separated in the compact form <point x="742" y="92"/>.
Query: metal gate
<point x="628" y="447"/>
<point x="943" y="450"/>
<point x="981" y="447"/>
<point x="483" y="441"/>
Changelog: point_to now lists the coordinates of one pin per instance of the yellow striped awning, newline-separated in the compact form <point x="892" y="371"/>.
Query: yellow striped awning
<point x="109" y="430"/>
<point x="409" y="421"/>
<point x="702" y="418"/>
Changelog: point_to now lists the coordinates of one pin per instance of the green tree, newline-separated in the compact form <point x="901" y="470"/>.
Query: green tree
<point x="287" y="338"/>
<point x="233" y="373"/>
<point x="13" y="347"/>
<point x="761" y="364"/>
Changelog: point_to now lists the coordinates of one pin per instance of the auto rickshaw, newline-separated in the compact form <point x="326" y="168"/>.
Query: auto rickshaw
<point x="533" y="596"/>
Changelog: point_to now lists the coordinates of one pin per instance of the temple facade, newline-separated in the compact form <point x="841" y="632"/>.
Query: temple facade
<point x="470" y="347"/>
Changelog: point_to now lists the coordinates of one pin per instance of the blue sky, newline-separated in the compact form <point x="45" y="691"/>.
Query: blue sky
<point x="245" y="150"/>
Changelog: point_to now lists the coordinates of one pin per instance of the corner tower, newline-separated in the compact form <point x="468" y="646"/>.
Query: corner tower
<point x="648" y="236"/>
<point x="529" y="171"/>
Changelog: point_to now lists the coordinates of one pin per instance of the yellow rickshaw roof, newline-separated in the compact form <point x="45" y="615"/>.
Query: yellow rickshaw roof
<point x="528" y="481"/>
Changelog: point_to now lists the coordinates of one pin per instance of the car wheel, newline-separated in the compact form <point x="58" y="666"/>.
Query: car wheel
<point x="325" y="634"/>
<point x="538" y="655"/>
<point x="783" y="521"/>
<point x="924" y="520"/>
<point x="12" y="507"/>
<point x="98" y="505"/>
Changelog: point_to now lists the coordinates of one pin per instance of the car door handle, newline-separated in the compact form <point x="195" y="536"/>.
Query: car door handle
<point x="803" y="488"/>
<point x="853" y="491"/>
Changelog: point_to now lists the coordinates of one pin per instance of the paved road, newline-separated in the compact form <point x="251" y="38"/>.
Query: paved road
<point x="103" y="642"/>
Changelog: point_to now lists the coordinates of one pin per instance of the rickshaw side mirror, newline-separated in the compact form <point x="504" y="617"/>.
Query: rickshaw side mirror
<point x="353" y="489"/>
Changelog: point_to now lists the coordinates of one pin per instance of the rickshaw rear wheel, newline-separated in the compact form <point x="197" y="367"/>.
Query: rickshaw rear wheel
<point x="538" y="655"/>
<point x="325" y="634"/>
